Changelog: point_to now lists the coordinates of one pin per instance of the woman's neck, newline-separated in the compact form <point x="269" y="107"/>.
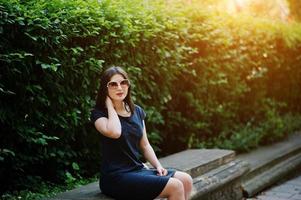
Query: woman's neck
<point x="119" y="105"/>
<point x="120" y="108"/>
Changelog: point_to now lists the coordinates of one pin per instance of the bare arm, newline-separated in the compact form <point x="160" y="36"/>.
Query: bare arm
<point x="149" y="153"/>
<point x="110" y="126"/>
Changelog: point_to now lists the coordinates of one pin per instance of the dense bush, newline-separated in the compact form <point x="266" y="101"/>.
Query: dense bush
<point x="295" y="6"/>
<point x="244" y="72"/>
<point x="205" y="79"/>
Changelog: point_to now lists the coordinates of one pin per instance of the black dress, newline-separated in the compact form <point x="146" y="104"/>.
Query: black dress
<point x="123" y="175"/>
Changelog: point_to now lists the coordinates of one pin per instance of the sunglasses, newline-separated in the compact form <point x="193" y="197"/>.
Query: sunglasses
<point x="114" y="84"/>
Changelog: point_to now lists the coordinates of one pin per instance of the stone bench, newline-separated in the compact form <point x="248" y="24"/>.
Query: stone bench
<point x="216" y="175"/>
<point x="269" y="164"/>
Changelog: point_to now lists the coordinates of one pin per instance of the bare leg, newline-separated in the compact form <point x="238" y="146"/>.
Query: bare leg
<point x="186" y="181"/>
<point x="174" y="190"/>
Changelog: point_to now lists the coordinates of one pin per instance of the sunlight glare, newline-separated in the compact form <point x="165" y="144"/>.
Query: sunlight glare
<point x="275" y="9"/>
<point x="234" y="6"/>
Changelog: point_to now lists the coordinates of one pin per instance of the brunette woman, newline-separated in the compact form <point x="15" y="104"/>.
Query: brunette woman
<point x="123" y="139"/>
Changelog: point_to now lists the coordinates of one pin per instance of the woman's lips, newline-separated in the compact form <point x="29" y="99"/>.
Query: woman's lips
<point x="119" y="94"/>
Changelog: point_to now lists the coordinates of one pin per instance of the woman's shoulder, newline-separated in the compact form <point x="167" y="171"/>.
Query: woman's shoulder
<point x="98" y="110"/>
<point x="137" y="107"/>
<point x="98" y="113"/>
<point x="140" y="111"/>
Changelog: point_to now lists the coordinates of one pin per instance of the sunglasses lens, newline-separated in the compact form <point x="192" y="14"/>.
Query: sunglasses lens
<point x="112" y="84"/>
<point x="124" y="83"/>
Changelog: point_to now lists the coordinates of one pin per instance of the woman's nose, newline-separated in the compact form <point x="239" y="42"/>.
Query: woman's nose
<point x="119" y="87"/>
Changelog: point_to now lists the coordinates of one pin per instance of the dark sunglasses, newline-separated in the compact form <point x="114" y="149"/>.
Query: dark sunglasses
<point x="114" y="84"/>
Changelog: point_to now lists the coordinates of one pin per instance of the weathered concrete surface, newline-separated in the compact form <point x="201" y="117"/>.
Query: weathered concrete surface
<point x="87" y="192"/>
<point x="198" y="161"/>
<point x="275" y="173"/>
<point x="265" y="157"/>
<point x="287" y="189"/>
<point x="194" y="162"/>
<point x="221" y="183"/>
<point x="271" y="163"/>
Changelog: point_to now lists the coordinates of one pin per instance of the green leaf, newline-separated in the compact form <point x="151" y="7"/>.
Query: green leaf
<point x="51" y="66"/>
<point x="75" y="166"/>
<point x="7" y="152"/>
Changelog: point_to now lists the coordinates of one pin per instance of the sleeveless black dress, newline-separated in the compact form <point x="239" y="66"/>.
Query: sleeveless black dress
<point x="123" y="175"/>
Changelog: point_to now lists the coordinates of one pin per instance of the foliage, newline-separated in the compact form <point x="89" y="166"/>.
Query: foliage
<point x="45" y="190"/>
<point x="204" y="78"/>
<point x="295" y="6"/>
<point x="238" y="68"/>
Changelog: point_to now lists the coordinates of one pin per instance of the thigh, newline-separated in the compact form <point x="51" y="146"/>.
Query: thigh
<point x="133" y="185"/>
<point x="173" y="187"/>
<point x="181" y="175"/>
<point x="184" y="178"/>
<point x="153" y="172"/>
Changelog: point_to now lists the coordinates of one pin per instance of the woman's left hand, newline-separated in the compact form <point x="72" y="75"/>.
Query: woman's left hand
<point x="161" y="171"/>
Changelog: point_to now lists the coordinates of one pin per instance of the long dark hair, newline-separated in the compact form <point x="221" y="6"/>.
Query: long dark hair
<point x="103" y="90"/>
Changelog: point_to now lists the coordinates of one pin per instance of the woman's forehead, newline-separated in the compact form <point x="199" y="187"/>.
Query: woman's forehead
<point x="117" y="77"/>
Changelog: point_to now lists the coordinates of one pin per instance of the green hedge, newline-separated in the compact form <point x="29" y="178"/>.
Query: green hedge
<point x="205" y="79"/>
<point x="245" y="73"/>
<point x="294" y="6"/>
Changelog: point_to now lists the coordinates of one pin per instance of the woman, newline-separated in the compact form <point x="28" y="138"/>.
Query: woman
<point x="123" y="135"/>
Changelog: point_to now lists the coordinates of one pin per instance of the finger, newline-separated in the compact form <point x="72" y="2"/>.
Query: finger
<point x="165" y="172"/>
<point x="159" y="172"/>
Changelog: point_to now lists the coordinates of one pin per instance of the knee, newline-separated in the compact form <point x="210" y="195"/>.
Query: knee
<point x="174" y="189"/>
<point x="177" y="186"/>
<point x="187" y="183"/>
<point x="186" y="179"/>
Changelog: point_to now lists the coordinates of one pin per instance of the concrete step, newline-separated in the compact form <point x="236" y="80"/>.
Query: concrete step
<point x="208" y="165"/>
<point x="265" y="160"/>
<point x="265" y="157"/>
<point x="258" y="183"/>
<point x="198" y="161"/>
<point x="86" y="192"/>
<point x="223" y="182"/>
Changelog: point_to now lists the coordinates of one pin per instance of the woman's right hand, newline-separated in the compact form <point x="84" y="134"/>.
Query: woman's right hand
<point x="109" y="102"/>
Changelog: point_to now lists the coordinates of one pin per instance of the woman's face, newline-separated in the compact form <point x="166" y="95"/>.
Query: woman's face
<point x="118" y="87"/>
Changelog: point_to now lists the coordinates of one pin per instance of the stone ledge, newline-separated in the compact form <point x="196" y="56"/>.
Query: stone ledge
<point x="270" y="163"/>
<point x="263" y="158"/>
<point x="206" y="186"/>
<point x="87" y="192"/>
<point x="198" y="161"/>
<point x="216" y="165"/>
<point x="275" y="173"/>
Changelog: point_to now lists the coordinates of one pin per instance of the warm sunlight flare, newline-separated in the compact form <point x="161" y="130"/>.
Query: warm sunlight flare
<point x="275" y="9"/>
<point x="234" y="6"/>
